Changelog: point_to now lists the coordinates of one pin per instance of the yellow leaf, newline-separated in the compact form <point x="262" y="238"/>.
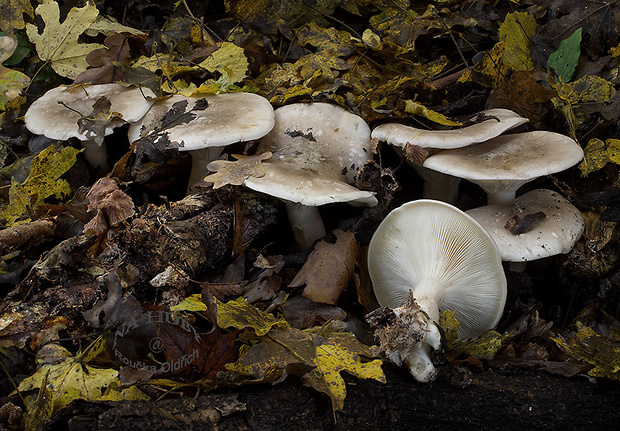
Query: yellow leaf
<point x="161" y="62"/>
<point x="44" y="181"/>
<point x="237" y="172"/>
<point x="516" y="32"/>
<point x="12" y="82"/>
<point x="590" y="88"/>
<point x="241" y="314"/>
<point x="12" y="16"/>
<point x="598" y="153"/>
<point x="191" y="303"/>
<point x="332" y="359"/>
<point x="132" y="393"/>
<point x="416" y="108"/>
<point x="58" y="43"/>
<point x="230" y="61"/>
<point x="69" y="380"/>
<point x="483" y="347"/>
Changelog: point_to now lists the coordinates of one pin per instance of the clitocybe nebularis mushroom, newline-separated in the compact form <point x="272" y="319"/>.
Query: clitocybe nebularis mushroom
<point x="317" y="149"/>
<point x="501" y="165"/>
<point x="205" y="125"/>
<point x="445" y="260"/>
<point x="537" y="224"/>
<point x="437" y="185"/>
<point x="58" y="112"/>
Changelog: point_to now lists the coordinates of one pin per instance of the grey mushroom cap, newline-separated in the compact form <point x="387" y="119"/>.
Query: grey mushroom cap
<point x="501" y="165"/>
<point x="499" y="122"/>
<point x="445" y="257"/>
<point x="550" y="225"/>
<point x="46" y="116"/>
<point x="317" y="150"/>
<point x="224" y="119"/>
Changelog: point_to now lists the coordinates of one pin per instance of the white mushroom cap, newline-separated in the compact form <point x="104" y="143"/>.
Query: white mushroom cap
<point x="226" y="119"/>
<point x="550" y="225"/>
<point x="445" y="257"/>
<point x="49" y="118"/>
<point x="317" y="150"/>
<point x="503" y="164"/>
<point x="399" y="134"/>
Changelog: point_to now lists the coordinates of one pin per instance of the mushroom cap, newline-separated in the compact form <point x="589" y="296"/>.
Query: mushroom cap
<point x="46" y="116"/>
<point x="224" y="119"/>
<point x="398" y="134"/>
<point x="317" y="150"/>
<point x="507" y="162"/>
<point x="545" y="235"/>
<point x="431" y="240"/>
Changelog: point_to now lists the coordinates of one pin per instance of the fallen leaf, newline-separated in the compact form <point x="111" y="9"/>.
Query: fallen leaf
<point x="58" y="43"/>
<point x="12" y="82"/>
<point x="105" y="61"/>
<point x="483" y="347"/>
<point x="12" y="15"/>
<point x="416" y="108"/>
<point x="328" y="269"/>
<point x="230" y="62"/>
<point x="598" y="153"/>
<point x="516" y="32"/>
<point x="235" y="173"/>
<point x="564" y="60"/>
<point x="43" y="181"/>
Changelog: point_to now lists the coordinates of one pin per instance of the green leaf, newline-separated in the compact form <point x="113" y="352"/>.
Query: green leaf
<point x="564" y="60"/>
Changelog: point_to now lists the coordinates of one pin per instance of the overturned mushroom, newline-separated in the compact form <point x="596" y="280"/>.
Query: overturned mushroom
<point x="317" y="149"/>
<point x="205" y="125"/>
<point x="487" y="124"/>
<point x="501" y="165"/>
<point x="538" y="224"/>
<point x="443" y="259"/>
<point x="87" y="112"/>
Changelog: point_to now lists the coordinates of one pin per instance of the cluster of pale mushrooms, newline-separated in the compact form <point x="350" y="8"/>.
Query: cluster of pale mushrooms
<point x="426" y="256"/>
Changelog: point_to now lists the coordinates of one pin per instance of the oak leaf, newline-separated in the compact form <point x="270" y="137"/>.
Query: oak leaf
<point x="237" y="172"/>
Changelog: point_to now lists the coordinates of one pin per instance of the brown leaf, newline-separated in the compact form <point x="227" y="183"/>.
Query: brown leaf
<point x="304" y="313"/>
<point x="103" y="60"/>
<point x="328" y="269"/>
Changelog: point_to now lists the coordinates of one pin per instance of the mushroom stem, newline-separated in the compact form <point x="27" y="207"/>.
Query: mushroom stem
<point x="439" y="186"/>
<point x="500" y="197"/>
<point x="200" y="159"/>
<point x="306" y="223"/>
<point x="96" y="155"/>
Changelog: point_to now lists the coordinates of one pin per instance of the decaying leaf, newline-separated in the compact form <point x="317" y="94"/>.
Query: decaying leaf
<point x="598" y="153"/>
<point x="516" y="32"/>
<point x="44" y="181"/>
<point x="416" y="108"/>
<point x="328" y="269"/>
<point x="235" y="173"/>
<point x="12" y="82"/>
<point x="69" y="379"/>
<point x="12" y="15"/>
<point x="483" y="347"/>
<point x="602" y="351"/>
<point x="230" y="62"/>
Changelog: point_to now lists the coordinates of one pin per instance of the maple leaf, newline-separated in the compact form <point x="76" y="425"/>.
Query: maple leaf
<point x="67" y="378"/>
<point x="601" y="351"/>
<point x="230" y="62"/>
<point x="317" y="355"/>
<point x="12" y="14"/>
<point x="58" y="43"/>
<point x="236" y="173"/>
<point x="12" y="82"/>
